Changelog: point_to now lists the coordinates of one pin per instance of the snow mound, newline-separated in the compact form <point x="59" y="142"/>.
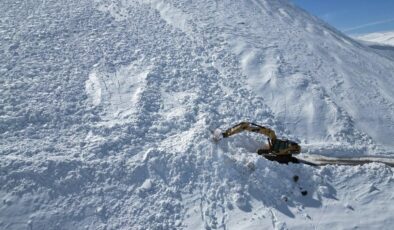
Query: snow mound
<point x="107" y="110"/>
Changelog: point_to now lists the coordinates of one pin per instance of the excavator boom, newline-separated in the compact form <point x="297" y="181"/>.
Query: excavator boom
<point x="250" y="127"/>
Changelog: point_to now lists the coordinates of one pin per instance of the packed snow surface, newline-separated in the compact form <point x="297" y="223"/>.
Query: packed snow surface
<point x="107" y="107"/>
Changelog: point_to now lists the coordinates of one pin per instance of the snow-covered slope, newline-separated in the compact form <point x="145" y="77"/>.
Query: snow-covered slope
<point x="382" y="43"/>
<point x="106" y="110"/>
<point x="381" y="37"/>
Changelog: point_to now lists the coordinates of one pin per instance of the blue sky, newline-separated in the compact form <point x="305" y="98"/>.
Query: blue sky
<point x="353" y="16"/>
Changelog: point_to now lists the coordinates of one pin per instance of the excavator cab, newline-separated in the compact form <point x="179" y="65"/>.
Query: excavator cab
<point x="285" y="147"/>
<point x="280" y="147"/>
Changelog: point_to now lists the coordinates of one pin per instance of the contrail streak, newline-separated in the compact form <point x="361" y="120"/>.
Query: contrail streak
<point x="369" y="24"/>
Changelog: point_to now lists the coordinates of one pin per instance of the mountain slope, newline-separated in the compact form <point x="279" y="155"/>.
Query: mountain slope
<point x="107" y="107"/>
<point x="386" y="38"/>
<point x="383" y="43"/>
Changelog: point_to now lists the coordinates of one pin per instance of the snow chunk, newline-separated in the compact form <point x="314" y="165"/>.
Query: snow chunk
<point x="147" y="185"/>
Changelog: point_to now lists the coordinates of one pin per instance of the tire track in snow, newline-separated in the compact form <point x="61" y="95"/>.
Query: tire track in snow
<point x="324" y="160"/>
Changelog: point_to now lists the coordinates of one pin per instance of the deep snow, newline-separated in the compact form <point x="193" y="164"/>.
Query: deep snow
<point x="107" y="107"/>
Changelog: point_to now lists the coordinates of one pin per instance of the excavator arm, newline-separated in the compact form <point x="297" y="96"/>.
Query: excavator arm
<point x="276" y="146"/>
<point x="250" y="127"/>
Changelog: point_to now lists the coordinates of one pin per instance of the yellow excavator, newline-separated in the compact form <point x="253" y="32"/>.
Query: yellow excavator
<point x="277" y="149"/>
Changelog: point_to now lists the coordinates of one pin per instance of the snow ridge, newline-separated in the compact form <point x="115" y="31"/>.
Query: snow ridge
<point x="386" y="38"/>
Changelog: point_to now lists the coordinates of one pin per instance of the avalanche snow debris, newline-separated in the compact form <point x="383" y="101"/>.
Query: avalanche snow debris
<point x="105" y="107"/>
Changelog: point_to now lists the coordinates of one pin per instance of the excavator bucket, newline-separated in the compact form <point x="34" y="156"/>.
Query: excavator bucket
<point x="217" y="135"/>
